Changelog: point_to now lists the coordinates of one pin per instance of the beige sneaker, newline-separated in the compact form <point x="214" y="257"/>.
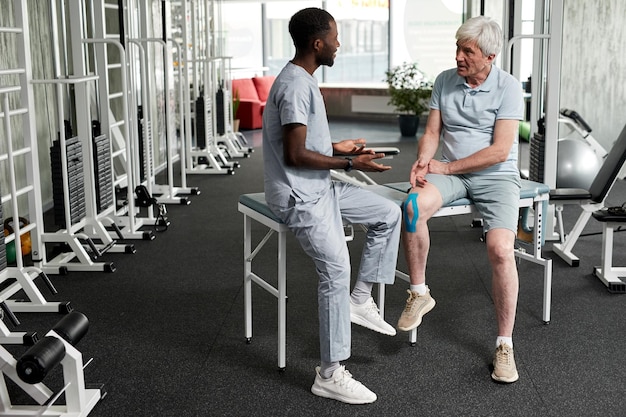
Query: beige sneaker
<point x="504" y="369"/>
<point x="416" y="306"/>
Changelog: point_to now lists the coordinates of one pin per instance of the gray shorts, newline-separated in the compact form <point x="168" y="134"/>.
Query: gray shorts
<point x="496" y="197"/>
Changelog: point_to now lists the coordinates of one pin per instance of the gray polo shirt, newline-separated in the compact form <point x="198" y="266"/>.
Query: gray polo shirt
<point x="469" y="114"/>
<point x="295" y="97"/>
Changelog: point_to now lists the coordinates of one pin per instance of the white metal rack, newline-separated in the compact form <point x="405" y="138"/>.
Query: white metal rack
<point x="122" y="127"/>
<point x="90" y="231"/>
<point x="19" y="164"/>
<point x="140" y="75"/>
<point x="83" y="238"/>
<point x="174" y="148"/>
<point x="234" y="143"/>
<point x="196" y="22"/>
<point x="168" y="193"/>
<point x="231" y="142"/>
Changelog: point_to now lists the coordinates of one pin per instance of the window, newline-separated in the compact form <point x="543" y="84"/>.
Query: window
<point x="363" y="27"/>
<point x="243" y="40"/>
<point x="257" y="36"/>
<point x="423" y="31"/>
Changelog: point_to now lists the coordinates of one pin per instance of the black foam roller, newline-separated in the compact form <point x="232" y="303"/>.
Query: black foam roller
<point x="34" y="365"/>
<point x="72" y="327"/>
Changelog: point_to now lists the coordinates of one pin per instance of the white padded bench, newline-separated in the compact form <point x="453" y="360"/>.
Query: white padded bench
<point x="254" y="207"/>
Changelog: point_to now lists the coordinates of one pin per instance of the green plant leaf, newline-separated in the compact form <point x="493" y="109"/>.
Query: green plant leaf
<point x="236" y="102"/>
<point x="409" y="89"/>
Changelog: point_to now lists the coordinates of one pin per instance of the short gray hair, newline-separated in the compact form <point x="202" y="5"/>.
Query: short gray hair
<point x="484" y="31"/>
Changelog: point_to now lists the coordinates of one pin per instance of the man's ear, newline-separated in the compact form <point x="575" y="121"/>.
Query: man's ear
<point x="318" y="44"/>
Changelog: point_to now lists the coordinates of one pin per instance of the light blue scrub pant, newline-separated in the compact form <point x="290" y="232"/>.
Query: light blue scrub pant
<point x="318" y="226"/>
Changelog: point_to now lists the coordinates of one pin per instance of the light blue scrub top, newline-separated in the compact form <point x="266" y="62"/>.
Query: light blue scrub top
<point x="469" y="114"/>
<point x="295" y="97"/>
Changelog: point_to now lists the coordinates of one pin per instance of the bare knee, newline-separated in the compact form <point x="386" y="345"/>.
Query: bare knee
<point x="421" y="204"/>
<point x="500" y="246"/>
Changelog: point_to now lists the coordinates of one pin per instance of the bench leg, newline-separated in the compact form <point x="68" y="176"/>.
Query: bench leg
<point x="540" y="209"/>
<point x="547" y="290"/>
<point x="537" y="258"/>
<point x="564" y="250"/>
<point x="607" y="273"/>
<point x="280" y="291"/>
<point x="282" y="299"/>
<point x="247" y="276"/>
<point x="381" y="300"/>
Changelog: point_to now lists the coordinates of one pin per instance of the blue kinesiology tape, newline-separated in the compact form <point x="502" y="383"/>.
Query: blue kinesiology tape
<point x="409" y="224"/>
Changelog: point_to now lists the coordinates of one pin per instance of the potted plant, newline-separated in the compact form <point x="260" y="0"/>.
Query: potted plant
<point x="409" y="92"/>
<point x="236" y="101"/>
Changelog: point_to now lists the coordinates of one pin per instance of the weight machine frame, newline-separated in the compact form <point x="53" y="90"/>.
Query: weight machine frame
<point x="209" y="159"/>
<point x="21" y="277"/>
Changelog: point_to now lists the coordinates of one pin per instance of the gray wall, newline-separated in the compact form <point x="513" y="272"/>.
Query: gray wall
<point x="593" y="65"/>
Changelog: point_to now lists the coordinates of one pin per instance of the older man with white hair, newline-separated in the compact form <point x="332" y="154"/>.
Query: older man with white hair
<point x="474" y="111"/>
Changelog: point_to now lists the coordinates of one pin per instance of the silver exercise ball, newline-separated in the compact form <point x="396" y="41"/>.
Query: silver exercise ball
<point x="577" y="164"/>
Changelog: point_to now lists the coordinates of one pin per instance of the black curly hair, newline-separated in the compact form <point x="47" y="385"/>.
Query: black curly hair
<point x="308" y="24"/>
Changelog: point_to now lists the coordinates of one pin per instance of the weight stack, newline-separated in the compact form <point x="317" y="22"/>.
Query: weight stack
<point x="200" y="139"/>
<point x="141" y="147"/>
<point x="76" y="182"/>
<point x="145" y="147"/>
<point x="103" y="172"/>
<point x="208" y="120"/>
<point x="220" y="113"/>
<point x="537" y="157"/>
<point x="204" y="121"/>
<point x="3" y="249"/>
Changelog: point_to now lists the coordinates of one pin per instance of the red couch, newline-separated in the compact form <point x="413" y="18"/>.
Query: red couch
<point x="253" y="94"/>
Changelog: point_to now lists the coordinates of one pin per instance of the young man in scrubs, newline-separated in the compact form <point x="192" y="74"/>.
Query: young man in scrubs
<point x="298" y="156"/>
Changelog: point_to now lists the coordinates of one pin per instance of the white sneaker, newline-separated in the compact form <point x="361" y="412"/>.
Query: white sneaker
<point x="367" y="315"/>
<point x="342" y="387"/>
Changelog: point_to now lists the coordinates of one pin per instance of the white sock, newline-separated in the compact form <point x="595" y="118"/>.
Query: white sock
<point x="361" y="292"/>
<point x="421" y="289"/>
<point x="506" y="340"/>
<point x="328" y="368"/>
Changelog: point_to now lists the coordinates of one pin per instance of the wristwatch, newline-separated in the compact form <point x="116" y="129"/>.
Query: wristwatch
<point x="348" y="167"/>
